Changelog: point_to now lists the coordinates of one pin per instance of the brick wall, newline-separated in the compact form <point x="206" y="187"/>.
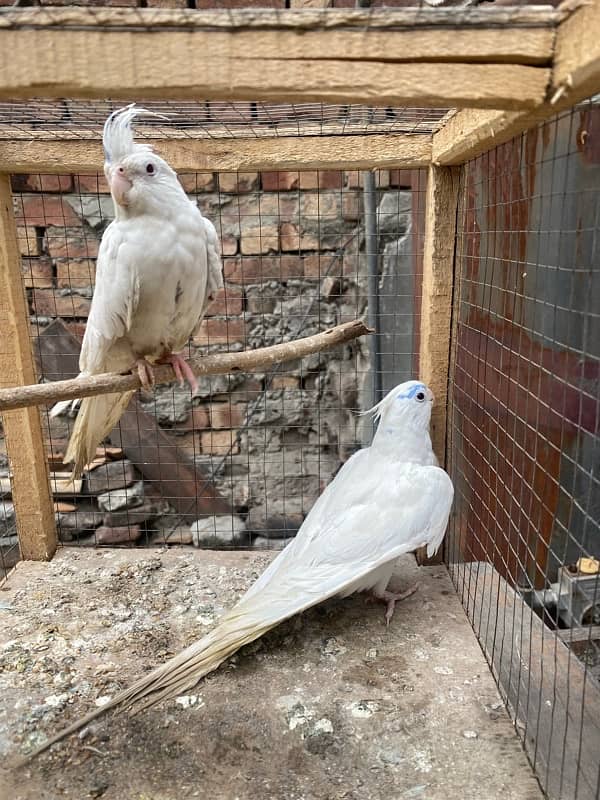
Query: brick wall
<point x="294" y="263"/>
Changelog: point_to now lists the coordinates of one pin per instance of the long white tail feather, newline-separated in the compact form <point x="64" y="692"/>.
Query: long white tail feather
<point x="97" y="417"/>
<point x="179" y="673"/>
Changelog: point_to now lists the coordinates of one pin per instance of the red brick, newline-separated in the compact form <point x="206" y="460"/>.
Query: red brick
<point x="280" y="181"/>
<point x="48" y="303"/>
<point x="293" y="238"/>
<point x="77" y="273"/>
<point x="227" y="415"/>
<point x="45" y="210"/>
<point x="166" y="4"/>
<point x="352" y="205"/>
<point x="267" y="268"/>
<point x="219" y="442"/>
<point x="228" y="301"/>
<point x="229" y="245"/>
<point x="238" y="182"/>
<point x="310" y="3"/>
<point x="91" y="184"/>
<point x="220" y="331"/>
<point x="259" y="236"/>
<point x="28" y="240"/>
<point x="42" y="183"/>
<point x="195" y="182"/>
<point x="71" y="243"/>
<point x="240" y="4"/>
<point x="401" y="178"/>
<point x="37" y="273"/>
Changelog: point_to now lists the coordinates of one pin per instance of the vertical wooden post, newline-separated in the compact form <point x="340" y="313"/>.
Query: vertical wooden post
<point x="22" y="428"/>
<point x="436" y="305"/>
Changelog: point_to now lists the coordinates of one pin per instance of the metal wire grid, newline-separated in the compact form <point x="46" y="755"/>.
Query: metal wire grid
<point x="524" y="437"/>
<point x="83" y="119"/>
<point x="295" y="262"/>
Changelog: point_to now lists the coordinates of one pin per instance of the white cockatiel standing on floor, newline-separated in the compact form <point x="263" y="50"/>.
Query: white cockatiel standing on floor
<point x="388" y="499"/>
<point x="158" y="268"/>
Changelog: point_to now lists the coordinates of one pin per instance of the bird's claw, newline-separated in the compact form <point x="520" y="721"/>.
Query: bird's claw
<point x="146" y="374"/>
<point x="183" y="371"/>
<point x="391" y="598"/>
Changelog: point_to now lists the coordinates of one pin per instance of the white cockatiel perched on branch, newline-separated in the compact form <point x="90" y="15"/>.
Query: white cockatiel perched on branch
<point x="159" y="266"/>
<point x="388" y="499"/>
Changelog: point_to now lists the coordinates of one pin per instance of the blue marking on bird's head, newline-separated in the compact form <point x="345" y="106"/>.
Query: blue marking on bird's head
<point x="410" y="393"/>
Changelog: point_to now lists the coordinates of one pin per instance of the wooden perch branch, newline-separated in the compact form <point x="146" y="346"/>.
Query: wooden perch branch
<point x="248" y="361"/>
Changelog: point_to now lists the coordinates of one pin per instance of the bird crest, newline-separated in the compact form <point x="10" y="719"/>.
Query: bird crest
<point x="117" y="137"/>
<point x="405" y="391"/>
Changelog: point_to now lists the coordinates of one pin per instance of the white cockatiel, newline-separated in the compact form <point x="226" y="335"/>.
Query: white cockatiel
<point x="159" y="266"/>
<point x="388" y="499"/>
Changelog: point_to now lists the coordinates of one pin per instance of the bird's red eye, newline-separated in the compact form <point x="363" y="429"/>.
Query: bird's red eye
<point x="150" y="169"/>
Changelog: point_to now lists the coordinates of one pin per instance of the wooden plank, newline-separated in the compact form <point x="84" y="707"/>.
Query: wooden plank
<point x="509" y="44"/>
<point x="577" y="54"/>
<point x="436" y="303"/>
<point x="553" y="698"/>
<point x="225" y="155"/>
<point x="436" y="294"/>
<point x="236" y="20"/>
<point x="151" y="71"/>
<point x="22" y="428"/>
<point x="155" y="454"/>
<point x="576" y="76"/>
<point x="130" y="54"/>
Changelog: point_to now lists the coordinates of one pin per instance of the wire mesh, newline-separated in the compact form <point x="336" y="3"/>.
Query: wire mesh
<point x="524" y="436"/>
<point x="241" y="464"/>
<point x="83" y="119"/>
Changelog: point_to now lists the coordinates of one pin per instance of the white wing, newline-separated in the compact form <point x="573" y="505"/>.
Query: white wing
<point x="114" y="302"/>
<point x="215" y="265"/>
<point x="368" y="516"/>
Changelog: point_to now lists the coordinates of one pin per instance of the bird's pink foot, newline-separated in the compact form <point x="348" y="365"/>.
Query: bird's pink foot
<point x="391" y="598"/>
<point x="146" y="374"/>
<point x="182" y="370"/>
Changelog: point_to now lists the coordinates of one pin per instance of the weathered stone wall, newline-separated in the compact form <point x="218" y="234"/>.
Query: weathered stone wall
<point x="294" y="264"/>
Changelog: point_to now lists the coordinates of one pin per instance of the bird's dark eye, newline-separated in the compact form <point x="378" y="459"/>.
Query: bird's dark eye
<point x="150" y="169"/>
<point x="420" y="396"/>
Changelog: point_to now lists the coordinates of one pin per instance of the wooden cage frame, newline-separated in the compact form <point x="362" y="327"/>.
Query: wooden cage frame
<point x="504" y="69"/>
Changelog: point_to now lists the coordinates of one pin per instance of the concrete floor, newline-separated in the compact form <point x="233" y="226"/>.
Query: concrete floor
<point x="329" y="705"/>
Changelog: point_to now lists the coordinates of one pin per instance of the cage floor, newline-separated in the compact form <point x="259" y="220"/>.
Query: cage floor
<point x="329" y="705"/>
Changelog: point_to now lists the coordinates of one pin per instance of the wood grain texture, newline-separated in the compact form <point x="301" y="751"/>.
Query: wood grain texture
<point x="225" y="155"/>
<point x="22" y="428"/>
<point x="217" y="364"/>
<point x="575" y="77"/>
<point x="436" y="304"/>
<point x="234" y="20"/>
<point x="174" y="64"/>
<point x="577" y="53"/>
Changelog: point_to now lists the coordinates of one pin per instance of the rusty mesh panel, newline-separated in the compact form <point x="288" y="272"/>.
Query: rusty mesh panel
<point x="524" y="436"/>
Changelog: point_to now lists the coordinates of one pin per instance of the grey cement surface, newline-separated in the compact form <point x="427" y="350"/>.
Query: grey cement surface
<point x="331" y="704"/>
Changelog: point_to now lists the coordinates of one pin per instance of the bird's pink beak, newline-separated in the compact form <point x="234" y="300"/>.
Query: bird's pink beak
<point x="119" y="185"/>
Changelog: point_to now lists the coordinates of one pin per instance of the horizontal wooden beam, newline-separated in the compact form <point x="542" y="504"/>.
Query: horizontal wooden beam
<point x="576" y="77"/>
<point x="302" y="20"/>
<point x="229" y="155"/>
<point x="127" y="54"/>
